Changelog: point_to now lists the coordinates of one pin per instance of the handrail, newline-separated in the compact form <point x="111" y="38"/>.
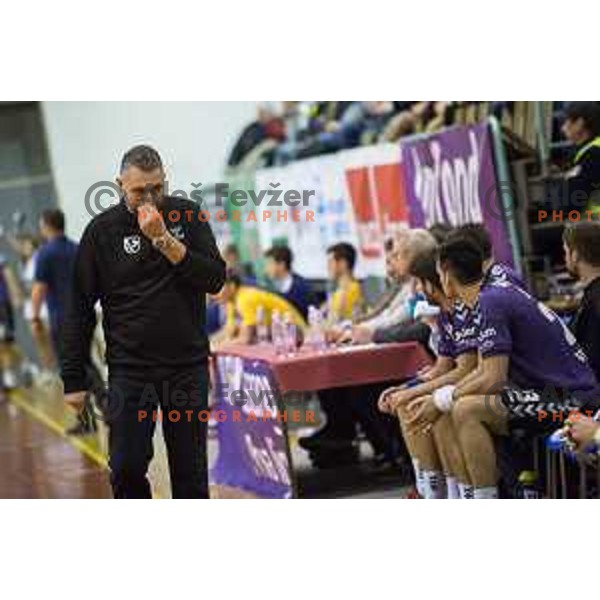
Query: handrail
<point x="505" y="189"/>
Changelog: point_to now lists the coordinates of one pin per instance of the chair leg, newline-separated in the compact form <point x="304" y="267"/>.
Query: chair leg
<point x="563" y="474"/>
<point x="549" y="474"/>
<point x="582" y="478"/>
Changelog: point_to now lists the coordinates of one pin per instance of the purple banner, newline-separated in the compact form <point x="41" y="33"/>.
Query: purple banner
<point x="253" y="452"/>
<point x="450" y="178"/>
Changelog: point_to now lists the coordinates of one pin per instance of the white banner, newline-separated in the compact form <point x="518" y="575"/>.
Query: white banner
<point x="359" y="199"/>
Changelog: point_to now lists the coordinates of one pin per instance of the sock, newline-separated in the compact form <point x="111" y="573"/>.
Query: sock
<point x="466" y="491"/>
<point x="434" y="485"/>
<point x="452" y="488"/>
<point x="486" y="493"/>
<point x="419" y="478"/>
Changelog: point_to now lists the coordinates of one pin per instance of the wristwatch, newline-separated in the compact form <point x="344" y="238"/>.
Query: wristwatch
<point x="162" y="242"/>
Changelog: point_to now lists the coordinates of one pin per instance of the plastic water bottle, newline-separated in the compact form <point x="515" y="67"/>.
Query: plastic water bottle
<point x="316" y="333"/>
<point x="277" y="334"/>
<point x="291" y="335"/>
<point x="262" y="333"/>
<point x="309" y="339"/>
<point x="320" y="343"/>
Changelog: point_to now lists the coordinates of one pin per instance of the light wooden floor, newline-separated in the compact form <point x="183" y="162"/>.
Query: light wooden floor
<point x="44" y="407"/>
<point x="37" y="459"/>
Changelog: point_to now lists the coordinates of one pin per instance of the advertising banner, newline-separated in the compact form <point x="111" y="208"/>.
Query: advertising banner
<point x="253" y="450"/>
<point x="333" y="218"/>
<point x="358" y="198"/>
<point x="375" y="184"/>
<point x="450" y="177"/>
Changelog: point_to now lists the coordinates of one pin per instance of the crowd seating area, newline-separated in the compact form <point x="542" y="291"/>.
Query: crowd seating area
<point x="299" y="129"/>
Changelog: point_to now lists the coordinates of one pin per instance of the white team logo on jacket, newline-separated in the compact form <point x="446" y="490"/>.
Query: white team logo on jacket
<point x="177" y="232"/>
<point x="132" y="244"/>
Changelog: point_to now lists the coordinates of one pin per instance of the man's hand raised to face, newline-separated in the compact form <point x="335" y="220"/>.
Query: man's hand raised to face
<point x="153" y="227"/>
<point x="151" y="221"/>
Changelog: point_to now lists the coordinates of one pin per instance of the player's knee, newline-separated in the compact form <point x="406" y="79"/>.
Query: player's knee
<point x="440" y="429"/>
<point x="401" y="413"/>
<point x="465" y="410"/>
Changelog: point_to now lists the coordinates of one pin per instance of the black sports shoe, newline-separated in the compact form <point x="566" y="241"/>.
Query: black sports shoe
<point x="323" y="437"/>
<point x="331" y="459"/>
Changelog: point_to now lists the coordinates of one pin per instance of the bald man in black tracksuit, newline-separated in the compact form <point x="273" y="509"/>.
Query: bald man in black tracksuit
<point x="151" y="281"/>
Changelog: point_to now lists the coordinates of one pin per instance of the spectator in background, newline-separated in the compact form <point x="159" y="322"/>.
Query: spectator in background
<point x="422" y="112"/>
<point x="295" y="123"/>
<point x="582" y="128"/>
<point x="402" y="122"/>
<point x="231" y="256"/>
<point x="346" y="301"/>
<point x="268" y="126"/>
<point x="291" y="286"/>
<point x="391" y="321"/>
<point x="582" y="257"/>
<point x="215" y="316"/>
<point x="27" y="247"/>
<point x="376" y="116"/>
<point x="243" y="304"/>
<point x="53" y="270"/>
<point x="412" y="329"/>
<point x="323" y="115"/>
<point x="215" y="311"/>
<point x="52" y="285"/>
<point x="439" y="118"/>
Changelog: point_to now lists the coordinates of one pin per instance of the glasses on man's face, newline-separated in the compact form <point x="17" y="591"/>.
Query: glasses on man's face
<point x="146" y="196"/>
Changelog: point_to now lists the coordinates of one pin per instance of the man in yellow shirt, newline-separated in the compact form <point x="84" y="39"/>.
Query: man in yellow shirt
<point x="346" y="302"/>
<point x="582" y="128"/>
<point x="242" y="306"/>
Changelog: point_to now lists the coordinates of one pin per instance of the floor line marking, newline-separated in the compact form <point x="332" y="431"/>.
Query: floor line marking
<point x="19" y="400"/>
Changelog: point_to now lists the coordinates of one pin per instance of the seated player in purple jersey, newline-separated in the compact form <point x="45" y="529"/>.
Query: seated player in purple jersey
<point x="493" y="271"/>
<point x="533" y="371"/>
<point x="457" y="357"/>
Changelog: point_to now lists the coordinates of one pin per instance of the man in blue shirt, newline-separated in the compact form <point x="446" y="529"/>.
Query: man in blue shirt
<point x="52" y="284"/>
<point x="53" y="271"/>
<point x="291" y="286"/>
